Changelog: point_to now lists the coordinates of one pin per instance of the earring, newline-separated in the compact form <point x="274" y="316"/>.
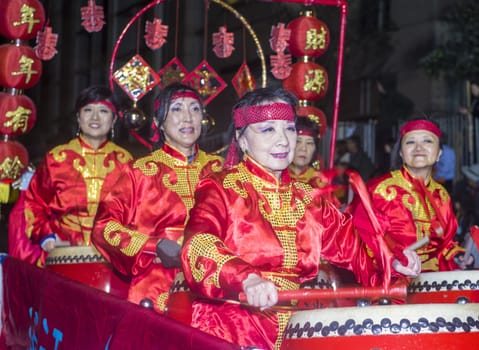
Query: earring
<point x="112" y="133"/>
<point x="78" y="131"/>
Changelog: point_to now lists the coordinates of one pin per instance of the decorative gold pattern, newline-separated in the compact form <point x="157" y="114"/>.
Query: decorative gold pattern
<point x="187" y="174"/>
<point x="387" y="189"/>
<point x="137" y="239"/>
<point x="161" y="301"/>
<point x="283" y="319"/>
<point x="282" y="281"/>
<point x="18" y="119"/>
<point x="91" y="165"/>
<point x="27" y="16"/>
<point x="207" y="246"/>
<point x="275" y="206"/>
<point x="315" y="81"/>
<point x="26" y="68"/>
<point x="316" y="40"/>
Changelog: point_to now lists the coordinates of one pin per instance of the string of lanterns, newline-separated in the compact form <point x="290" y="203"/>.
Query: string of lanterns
<point x="20" y="69"/>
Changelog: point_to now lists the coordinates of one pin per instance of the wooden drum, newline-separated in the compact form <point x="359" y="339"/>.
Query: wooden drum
<point x="391" y="327"/>
<point x="86" y="265"/>
<point x="444" y="287"/>
<point x="180" y="300"/>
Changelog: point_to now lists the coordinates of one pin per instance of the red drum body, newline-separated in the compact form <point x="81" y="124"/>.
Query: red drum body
<point x="180" y="300"/>
<point x="86" y="265"/>
<point x="445" y="287"/>
<point x="385" y="327"/>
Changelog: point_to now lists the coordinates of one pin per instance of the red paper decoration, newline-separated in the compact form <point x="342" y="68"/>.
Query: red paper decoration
<point x="308" y="81"/>
<point x="279" y="40"/>
<point x="173" y="72"/>
<point x="156" y="34"/>
<point x="223" y="43"/>
<point x="243" y="81"/>
<point x="280" y="63"/>
<point x="13" y="160"/>
<point x="316" y="115"/>
<point x="20" y="68"/>
<point x="309" y="36"/>
<point x="206" y="81"/>
<point x="136" y="78"/>
<point x="46" y="44"/>
<point x="92" y="17"/>
<point x="21" y="19"/>
<point x="17" y="114"/>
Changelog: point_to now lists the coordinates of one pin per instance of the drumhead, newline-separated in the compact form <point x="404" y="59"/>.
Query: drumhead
<point x="445" y="281"/>
<point x="384" y="320"/>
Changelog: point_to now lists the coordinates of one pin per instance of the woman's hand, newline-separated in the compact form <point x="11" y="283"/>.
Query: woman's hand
<point x="413" y="268"/>
<point x="260" y="292"/>
<point x="48" y="245"/>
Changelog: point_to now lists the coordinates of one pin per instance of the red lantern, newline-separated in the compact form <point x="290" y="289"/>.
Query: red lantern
<point x="308" y="81"/>
<point x="316" y="115"/>
<point x="20" y="68"/>
<point x="21" y="19"/>
<point x="309" y="36"/>
<point x="17" y="114"/>
<point x="13" y="160"/>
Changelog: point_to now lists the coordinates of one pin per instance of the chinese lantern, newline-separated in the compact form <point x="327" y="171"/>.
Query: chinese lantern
<point x="20" y="68"/>
<point x="315" y="114"/>
<point x="308" y="81"/>
<point x="13" y="162"/>
<point x="17" y="114"/>
<point x="21" y="19"/>
<point x="309" y="36"/>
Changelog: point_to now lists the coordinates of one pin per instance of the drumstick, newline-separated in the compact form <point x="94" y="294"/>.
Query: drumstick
<point x="418" y="244"/>
<point x="397" y="291"/>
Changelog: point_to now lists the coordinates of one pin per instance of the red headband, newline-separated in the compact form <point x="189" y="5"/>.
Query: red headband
<point x="179" y="94"/>
<point x="244" y="116"/>
<point x="420" y="125"/>
<point x="306" y="132"/>
<point x="185" y="93"/>
<point x="106" y="103"/>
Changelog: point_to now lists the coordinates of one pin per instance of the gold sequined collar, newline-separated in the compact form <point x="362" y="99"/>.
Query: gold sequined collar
<point x="258" y="170"/>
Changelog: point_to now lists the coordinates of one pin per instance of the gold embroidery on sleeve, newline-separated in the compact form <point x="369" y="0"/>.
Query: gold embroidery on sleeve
<point x="137" y="239"/>
<point x="206" y="245"/>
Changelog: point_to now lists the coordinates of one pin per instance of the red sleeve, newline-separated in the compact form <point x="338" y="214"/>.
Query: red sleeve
<point x="19" y="245"/>
<point x="120" y="232"/>
<point x="210" y="268"/>
<point x="38" y="196"/>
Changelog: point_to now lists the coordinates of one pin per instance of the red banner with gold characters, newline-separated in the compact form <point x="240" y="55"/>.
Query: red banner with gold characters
<point x="44" y="310"/>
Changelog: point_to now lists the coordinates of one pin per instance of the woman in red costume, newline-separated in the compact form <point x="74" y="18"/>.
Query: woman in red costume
<point x="411" y="205"/>
<point x="62" y="198"/>
<point x="301" y="168"/>
<point x="139" y="226"/>
<point x="255" y="231"/>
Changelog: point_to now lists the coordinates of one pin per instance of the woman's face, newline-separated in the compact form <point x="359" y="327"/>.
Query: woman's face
<point x="182" y="126"/>
<point x="270" y="143"/>
<point x="420" y="149"/>
<point x="95" y="121"/>
<point x="305" y="148"/>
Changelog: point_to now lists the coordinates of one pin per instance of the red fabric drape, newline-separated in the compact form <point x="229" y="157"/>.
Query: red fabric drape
<point x="42" y="308"/>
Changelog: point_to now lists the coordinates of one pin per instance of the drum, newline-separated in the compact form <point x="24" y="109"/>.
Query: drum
<point x="180" y="300"/>
<point x="391" y="327"/>
<point x="86" y="265"/>
<point x="444" y="287"/>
